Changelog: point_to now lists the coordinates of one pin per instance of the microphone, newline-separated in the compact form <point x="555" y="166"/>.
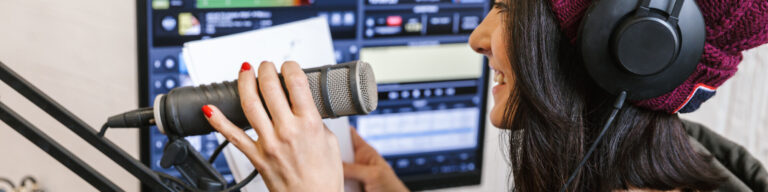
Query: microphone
<point x="338" y="90"/>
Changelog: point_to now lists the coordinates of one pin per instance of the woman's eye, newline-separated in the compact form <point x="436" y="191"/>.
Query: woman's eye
<point x="501" y="6"/>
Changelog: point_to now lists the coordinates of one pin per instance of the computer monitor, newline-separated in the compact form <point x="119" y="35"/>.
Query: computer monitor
<point x="432" y="87"/>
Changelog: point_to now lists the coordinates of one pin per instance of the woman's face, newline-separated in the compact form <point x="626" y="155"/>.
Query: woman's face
<point x="490" y="39"/>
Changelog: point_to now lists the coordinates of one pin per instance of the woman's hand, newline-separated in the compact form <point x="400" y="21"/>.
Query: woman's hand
<point x="371" y="169"/>
<point x="294" y="151"/>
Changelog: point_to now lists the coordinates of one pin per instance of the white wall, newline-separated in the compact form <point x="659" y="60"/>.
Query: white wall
<point x="739" y="109"/>
<point x="83" y="54"/>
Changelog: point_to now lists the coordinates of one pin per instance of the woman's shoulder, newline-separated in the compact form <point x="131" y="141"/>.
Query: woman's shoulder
<point x="743" y="170"/>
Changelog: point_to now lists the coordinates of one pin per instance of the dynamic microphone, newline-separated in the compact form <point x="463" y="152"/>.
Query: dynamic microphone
<point x="338" y="90"/>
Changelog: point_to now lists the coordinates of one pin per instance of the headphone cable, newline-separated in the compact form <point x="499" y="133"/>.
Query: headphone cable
<point x="616" y="106"/>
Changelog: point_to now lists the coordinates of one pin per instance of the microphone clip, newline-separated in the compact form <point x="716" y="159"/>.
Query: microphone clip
<point x="180" y="154"/>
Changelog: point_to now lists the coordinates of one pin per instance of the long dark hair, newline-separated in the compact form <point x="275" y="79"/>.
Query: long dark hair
<point x="555" y="112"/>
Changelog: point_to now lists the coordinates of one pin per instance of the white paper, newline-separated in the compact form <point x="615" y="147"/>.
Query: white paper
<point x="308" y="42"/>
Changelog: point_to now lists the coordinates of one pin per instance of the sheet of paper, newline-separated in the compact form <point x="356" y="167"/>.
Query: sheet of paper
<point x="307" y="42"/>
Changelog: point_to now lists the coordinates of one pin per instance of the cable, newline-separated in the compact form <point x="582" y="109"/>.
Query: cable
<point x="616" y="106"/>
<point x="135" y="118"/>
<point x="139" y="114"/>
<point x="9" y="182"/>
<point x="187" y="187"/>
<point x="177" y="181"/>
<point x="245" y="181"/>
<point x="217" y="151"/>
<point x="32" y="187"/>
<point x="103" y="129"/>
<point x="28" y="178"/>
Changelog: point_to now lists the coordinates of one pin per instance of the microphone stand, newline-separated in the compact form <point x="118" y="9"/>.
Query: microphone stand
<point x="179" y="153"/>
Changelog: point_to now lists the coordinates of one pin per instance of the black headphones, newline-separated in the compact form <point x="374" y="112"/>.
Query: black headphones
<point x="638" y="50"/>
<point x="645" y="49"/>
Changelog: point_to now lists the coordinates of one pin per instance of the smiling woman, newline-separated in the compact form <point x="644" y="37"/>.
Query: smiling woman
<point x="548" y="104"/>
<point x="553" y="111"/>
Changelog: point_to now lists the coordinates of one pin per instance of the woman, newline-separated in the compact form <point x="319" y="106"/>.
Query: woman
<point x="551" y="109"/>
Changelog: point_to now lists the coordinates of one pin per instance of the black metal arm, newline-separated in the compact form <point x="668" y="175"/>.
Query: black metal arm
<point x="57" y="151"/>
<point x="83" y="130"/>
<point x="178" y="152"/>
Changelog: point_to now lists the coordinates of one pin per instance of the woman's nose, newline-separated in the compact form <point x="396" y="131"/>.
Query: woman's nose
<point x="480" y="39"/>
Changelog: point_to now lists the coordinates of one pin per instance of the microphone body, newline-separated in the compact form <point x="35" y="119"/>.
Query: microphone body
<point x="338" y="90"/>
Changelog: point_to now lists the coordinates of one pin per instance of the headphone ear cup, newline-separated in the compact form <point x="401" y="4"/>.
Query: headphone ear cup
<point x="644" y="55"/>
<point x="645" y="45"/>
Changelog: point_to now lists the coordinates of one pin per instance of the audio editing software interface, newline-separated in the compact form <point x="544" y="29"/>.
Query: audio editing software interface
<point x="429" y="119"/>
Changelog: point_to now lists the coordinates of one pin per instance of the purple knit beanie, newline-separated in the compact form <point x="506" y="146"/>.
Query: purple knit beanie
<point x="732" y="27"/>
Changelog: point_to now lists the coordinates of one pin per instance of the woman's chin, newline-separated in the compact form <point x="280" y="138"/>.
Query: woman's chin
<point x="497" y="116"/>
<point x="500" y="97"/>
<point x="496" y="124"/>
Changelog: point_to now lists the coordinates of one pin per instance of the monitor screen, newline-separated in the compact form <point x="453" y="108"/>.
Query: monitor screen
<point x="432" y="88"/>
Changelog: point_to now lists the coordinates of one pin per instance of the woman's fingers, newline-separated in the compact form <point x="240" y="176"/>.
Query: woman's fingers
<point x="358" y="172"/>
<point x="357" y="141"/>
<point x="251" y="102"/>
<point x="272" y="91"/>
<point x="234" y="134"/>
<point x="298" y="90"/>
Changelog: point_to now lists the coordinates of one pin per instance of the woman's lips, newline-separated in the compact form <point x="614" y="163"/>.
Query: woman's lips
<point x="496" y="89"/>
<point x="499" y="81"/>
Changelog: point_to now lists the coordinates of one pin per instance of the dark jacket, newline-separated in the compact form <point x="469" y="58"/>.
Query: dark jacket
<point x="745" y="173"/>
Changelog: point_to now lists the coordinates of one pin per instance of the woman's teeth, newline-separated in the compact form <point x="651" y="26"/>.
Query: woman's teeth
<point x="499" y="78"/>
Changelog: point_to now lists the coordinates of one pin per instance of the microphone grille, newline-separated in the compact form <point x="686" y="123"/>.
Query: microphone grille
<point x="368" y="89"/>
<point x="314" y="85"/>
<point x="339" y="91"/>
<point x="351" y="89"/>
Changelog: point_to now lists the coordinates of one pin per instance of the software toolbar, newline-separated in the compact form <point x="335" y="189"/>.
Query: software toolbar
<point x="179" y="21"/>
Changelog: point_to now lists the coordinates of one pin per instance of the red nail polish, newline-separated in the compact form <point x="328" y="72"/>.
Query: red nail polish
<point x="246" y="66"/>
<point x="207" y="111"/>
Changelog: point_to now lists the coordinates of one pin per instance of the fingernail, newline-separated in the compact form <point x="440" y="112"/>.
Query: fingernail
<point x="246" y="66"/>
<point x="265" y="61"/>
<point x="207" y="111"/>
